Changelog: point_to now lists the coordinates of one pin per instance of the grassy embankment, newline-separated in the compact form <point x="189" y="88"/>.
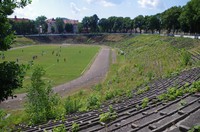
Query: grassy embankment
<point x="145" y="58"/>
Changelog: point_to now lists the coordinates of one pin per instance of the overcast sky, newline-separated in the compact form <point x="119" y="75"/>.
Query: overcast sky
<point x="77" y="9"/>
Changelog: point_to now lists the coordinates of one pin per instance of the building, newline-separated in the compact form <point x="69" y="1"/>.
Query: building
<point x="52" y="24"/>
<point x="15" y="19"/>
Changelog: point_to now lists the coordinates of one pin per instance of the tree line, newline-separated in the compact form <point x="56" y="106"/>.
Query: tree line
<point x="175" y="19"/>
<point x="40" y="26"/>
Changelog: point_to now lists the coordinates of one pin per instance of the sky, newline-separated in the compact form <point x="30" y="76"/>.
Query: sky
<point x="77" y="9"/>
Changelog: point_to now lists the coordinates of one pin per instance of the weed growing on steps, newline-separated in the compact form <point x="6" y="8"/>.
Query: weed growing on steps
<point x="75" y="127"/>
<point x="108" y="116"/>
<point x="145" y="102"/>
<point x="141" y="91"/>
<point x="173" y="92"/>
<point x="60" y="128"/>
<point x="195" y="129"/>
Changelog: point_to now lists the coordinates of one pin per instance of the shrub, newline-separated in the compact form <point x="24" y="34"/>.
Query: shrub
<point x="186" y="56"/>
<point x="75" y="127"/>
<point x="141" y="91"/>
<point x="97" y="87"/>
<point x="108" y="116"/>
<point x="129" y="94"/>
<point x="42" y="104"/>
<point x="183" y="103"/>
<point x="145" y="102"/>
<point x="72" y="105"/>
<point x="11" y="77"/>
<point x="109" y="95"/>
<point x="195" y="129"/>
<point x="2" y="114"/>
<point x="92" y="102"/>
<point x="60" y="128"/>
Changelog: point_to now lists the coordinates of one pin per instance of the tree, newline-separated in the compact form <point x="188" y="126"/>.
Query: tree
<point x="104" y="25"/>
<point x="42" y="104"/>
<point x="153" y="23"/>
<point x="69" y="28"/>
<point x="52" y="29"/>
<point x="118" y="25"/>
<point x="11" y="74"/>
<point x="170" y="19"/>
<point x="190" y="17"/>
<point x="111" y="21"/>
<point x="139" y="22"/>
<point x="41" y="21"/>
<point x="93" y="22"/>
<point x="127" y="24"/>
<point x="86" y="23"/>
<point x="24" y="27"/>
<point x="184" y="20"/>
<point x="60" y="25"/>
<point x="11" y="77"/>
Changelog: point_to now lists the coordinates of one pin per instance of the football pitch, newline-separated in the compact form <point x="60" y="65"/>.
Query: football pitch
<point x="62" y="63"/>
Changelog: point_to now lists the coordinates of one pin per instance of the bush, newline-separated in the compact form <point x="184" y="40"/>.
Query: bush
<point x="42" y="104"/>
<point x="108" y="116"/>
<point x="11" y="77"/>
<point x="72" y="105"/>
<point x="2" y="114"/>
<point x="145" y="102"/>
<point x="109" y="95"/>
<point x="195" y="129"/>
<point x="92" y="102"/>
<point x="75" y="127"/>
<point x="60" y="128"/>
<point x="186" y="56"/>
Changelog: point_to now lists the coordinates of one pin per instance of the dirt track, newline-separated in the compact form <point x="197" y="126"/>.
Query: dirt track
<point x="93" y="75"/>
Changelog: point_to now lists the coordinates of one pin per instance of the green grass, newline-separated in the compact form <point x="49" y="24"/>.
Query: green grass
<point x="61" y="63"/>
<point x="22" y="41"/>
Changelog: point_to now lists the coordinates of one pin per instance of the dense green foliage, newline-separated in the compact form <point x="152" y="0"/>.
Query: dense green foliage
<point x="41" y="22"/>
<point x="60" y="25"/>
<point x="11" y="74"/>
<point x="72" y="105"/>
<point x="195" y="129"/>
<point x="6" y="34"/>
<point x="69" y="28"/>
<point x="24" y="27"/>
<point x="42" y="104"/>
<point x="11" y="77"/>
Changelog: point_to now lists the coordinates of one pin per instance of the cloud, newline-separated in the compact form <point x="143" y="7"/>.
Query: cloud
<point x="27" y="11"/>
<point x="151" y="4"/>
<point x="74" y="8"/>
<point x="104" y="3"/>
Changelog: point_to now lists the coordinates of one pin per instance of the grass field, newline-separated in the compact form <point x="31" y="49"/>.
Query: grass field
<point x="61" y="63"/>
